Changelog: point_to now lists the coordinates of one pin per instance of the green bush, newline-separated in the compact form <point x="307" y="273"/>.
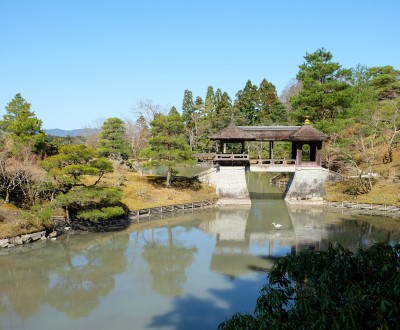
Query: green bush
<point x="333" y="289"/>
<point x="102" y="214"/>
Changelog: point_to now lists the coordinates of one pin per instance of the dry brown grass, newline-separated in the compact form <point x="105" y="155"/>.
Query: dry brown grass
<point x="384" y="191"/>
<point x="148" y="191"/>
<point x="12" y="224"/>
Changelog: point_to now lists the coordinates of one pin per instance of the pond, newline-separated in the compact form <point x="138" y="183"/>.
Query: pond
<point x="185" y="271"/>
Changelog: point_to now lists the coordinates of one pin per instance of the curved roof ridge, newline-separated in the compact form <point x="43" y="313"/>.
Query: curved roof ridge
<point x="307" y="132"/>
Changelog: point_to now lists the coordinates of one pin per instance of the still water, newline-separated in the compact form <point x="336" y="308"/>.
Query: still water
<point x="188" y="271"/>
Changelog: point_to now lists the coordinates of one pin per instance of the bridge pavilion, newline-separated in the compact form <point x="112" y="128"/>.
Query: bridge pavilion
<point x="299" y="136"/>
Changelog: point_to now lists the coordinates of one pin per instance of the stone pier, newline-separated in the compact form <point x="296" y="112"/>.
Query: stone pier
<point x="230" y="183"/>
<point x="307" y="186"/>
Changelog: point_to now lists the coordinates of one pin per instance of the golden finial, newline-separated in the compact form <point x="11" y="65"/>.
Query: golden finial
<point x="307" y="121"/>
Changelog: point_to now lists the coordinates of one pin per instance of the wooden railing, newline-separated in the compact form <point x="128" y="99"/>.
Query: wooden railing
<point x="274" y="162"/>
<point x="160" y="210"/>
<point x="232" y="157"/>
<point x="224" y="159"/>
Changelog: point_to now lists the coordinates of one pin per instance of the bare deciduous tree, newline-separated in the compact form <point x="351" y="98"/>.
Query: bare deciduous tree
<point x="137" y="134"/>
<point x="147" y="109"/>
<point x="291" y="89"/>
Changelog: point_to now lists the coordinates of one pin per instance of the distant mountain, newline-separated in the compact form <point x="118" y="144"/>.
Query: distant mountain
<point x="73" y="132"/>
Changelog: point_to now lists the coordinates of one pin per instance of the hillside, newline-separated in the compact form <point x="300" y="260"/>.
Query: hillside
<point x="386" y="187"/>
<point x="75" y="132"/>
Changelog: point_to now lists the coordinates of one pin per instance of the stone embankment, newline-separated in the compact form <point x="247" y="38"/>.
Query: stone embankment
<point x="59" y="225"/>
<point x="383" y="210"/>
<point x="22" y="239"/>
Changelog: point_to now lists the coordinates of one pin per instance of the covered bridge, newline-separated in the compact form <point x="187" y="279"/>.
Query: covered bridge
<point x="299" y="136"/>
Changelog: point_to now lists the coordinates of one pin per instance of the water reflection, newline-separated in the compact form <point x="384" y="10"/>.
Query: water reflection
<point x="184" y="271"/>
<point x="168" y="261"/>
<point x="68" y="277"/>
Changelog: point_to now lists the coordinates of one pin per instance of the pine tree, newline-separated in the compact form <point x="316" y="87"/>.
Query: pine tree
<point x="23" y="126"/>
<point x="113" y="142"/>
<point x="168" y="146"/>
<point x="325" y="88"/>
<point x="76" y="172"/>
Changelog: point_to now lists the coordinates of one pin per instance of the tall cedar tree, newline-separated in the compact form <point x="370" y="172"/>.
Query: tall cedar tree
<point x="246" y="102"/>
<point x="168" y="146"/>
<point x="325" y="88"/>
<point x="113" y="141"/>
<point x="188" y="117"/>
<point x="209" y="107"/>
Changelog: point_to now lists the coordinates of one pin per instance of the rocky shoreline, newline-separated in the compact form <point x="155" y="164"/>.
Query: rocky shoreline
<point x="22" y="239"/>
<point x="60" y="226"/>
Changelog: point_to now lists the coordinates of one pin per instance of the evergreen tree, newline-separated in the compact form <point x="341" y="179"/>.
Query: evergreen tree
<point x="168" y="146"/>
<point x="77" y="172"/>
<point x="188" y="117"/>
<point x="246" y="102"/>
<point x="113" y="141"/>
<point x="202" y="126"/>
<point x="187" y="107"/>
<point x="266" y="97"/>
<point x="24" y="128"/>
<point x="226" y="116"/>
<point x="221" y="100"/>
<point x="325" y="88"/>
<point x="278" y="114"/>
<point x="209" y="103"/>
<point x="385" y="80"/>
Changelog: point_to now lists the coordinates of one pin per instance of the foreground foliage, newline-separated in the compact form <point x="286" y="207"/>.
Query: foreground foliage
<point x="333" y="289"/>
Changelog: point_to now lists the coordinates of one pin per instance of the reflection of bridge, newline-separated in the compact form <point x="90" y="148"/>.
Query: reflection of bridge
<point x="308" y="177"/>
<point x="246" y="239"/>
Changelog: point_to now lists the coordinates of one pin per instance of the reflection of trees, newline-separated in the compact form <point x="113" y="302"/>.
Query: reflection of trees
<point x="70" y="280"/>
<point x="363" y="233"/>
<point x="86" y="276"/>
<point x="168" y="261"/>
<point x="23" y="284"/>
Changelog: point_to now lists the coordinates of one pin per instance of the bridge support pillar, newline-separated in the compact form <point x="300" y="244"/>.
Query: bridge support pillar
<point x="230" y="183"/>
<point x="307" y="186"/>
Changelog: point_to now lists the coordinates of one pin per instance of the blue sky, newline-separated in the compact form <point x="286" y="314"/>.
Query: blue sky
<point x="79" y="60"/>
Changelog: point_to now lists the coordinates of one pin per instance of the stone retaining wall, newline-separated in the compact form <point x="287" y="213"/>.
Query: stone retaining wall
<point x="22" y="239"/>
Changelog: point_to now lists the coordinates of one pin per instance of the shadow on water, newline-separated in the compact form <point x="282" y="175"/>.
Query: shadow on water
<point x="191" y="312"/>
<point x="258" y="184"/>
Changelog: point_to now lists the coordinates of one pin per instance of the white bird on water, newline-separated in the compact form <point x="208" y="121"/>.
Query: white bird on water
<point x="277" y="225"/>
